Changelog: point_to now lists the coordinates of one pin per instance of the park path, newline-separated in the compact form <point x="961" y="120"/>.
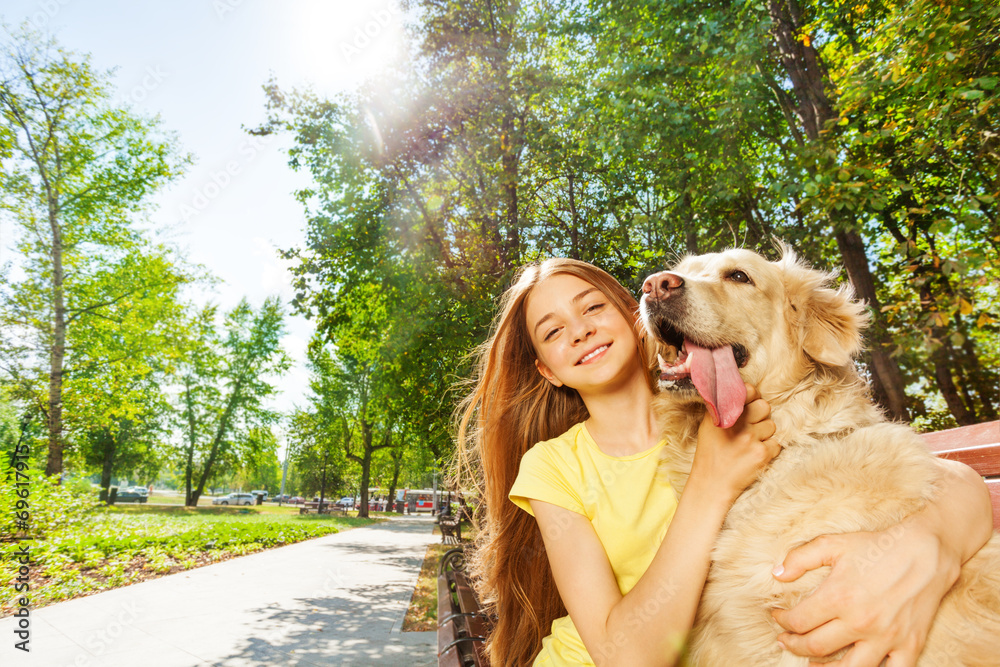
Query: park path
<point x="334" y="600"/>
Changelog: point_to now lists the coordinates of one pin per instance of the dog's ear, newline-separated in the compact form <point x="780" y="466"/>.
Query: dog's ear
<point x="828" y="321"/>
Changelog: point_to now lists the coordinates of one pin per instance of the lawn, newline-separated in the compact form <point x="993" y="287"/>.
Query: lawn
<point x="107" y="547"/>
<point x="421" y="615"/>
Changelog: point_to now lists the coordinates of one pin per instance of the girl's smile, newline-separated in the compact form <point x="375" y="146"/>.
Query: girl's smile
<point x="594" y="355"/>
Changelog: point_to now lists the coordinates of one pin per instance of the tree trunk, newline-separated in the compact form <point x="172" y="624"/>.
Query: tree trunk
<point x="803" y="66"/>
<point x="979" y="380"/>
<point x="54" y="465"/>
<point x="942" y="373"/>
<point x="396" y="455"/>
<point x="220" y="434"/>
<point x="109" y="447"/>
<point x="574" y="230"/>
<point x="192" y="439"/>
<point x="808" y="76"/>
<point x="366" y="466"/>
<point x="887" y="379"/>
<point x="322" y="484"/>
<point x="511" y="251"/>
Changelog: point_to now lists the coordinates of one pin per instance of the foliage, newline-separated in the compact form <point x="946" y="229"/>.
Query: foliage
<point x="222" y="406"/>
<point x="317" y="452"/>
<point x="259" y="466"/>
<point x="627" y="134"/>
<point x="76" y="170"/>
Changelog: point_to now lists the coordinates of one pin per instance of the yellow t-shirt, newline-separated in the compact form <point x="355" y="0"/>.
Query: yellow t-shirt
<point x="627" y="502"/>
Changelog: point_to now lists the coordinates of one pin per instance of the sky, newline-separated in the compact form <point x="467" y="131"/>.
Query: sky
<point x="200" y="65"/>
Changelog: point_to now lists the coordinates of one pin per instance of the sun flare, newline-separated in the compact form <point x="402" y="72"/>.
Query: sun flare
<point x="337" y="44"/>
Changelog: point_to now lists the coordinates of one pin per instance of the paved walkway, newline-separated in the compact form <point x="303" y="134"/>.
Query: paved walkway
<point x="333" y="600"/>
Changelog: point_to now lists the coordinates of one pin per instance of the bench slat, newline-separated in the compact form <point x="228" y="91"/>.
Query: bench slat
<point x="446" y="633"/>
<point x="984" y="459"/>
<point x="964" y="436"/>
<point x="977" y="446"/>
<point x="477" y="624"/>
<point x="994" y="486"/>
<point x="460" y="629"/>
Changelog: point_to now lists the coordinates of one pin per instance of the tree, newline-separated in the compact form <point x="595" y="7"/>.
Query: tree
<point x="224" y="386"/>
<point x="260" y="468"/>
<point x="318" y="452"/>
<point x="75" y="170"/>
<point x="347" y="395"/>
<point x="797" y="95"/>
<point x="122" y="357"/>
<point x="917" y="138"/>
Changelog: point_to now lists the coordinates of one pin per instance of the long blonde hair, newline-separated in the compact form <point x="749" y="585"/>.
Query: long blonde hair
<point x="510" y="408"/>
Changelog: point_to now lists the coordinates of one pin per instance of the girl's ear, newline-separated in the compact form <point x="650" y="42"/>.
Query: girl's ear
<point x="547" y="373"/>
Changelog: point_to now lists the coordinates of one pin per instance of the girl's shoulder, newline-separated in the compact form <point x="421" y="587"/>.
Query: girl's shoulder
<point x="567" y="442"/>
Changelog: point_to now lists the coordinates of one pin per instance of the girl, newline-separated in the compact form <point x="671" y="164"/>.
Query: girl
<point x="575" y="557"/>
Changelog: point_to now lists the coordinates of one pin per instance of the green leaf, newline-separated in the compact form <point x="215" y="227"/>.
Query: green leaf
<point x="971" y="94"/>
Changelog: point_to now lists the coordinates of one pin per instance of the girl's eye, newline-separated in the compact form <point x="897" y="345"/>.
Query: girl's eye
<point x="596" y="306"/>
<point x="550" y="334"/>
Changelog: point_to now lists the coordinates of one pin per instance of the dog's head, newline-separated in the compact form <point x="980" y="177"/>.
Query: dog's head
<point x="725" y="318"/>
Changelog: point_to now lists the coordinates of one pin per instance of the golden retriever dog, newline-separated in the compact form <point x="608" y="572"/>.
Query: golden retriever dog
<point x="724" y="318"/>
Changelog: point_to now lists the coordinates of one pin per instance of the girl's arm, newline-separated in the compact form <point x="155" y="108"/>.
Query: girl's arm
<point x="649" y="625"/>
<point x="884" y="588"/>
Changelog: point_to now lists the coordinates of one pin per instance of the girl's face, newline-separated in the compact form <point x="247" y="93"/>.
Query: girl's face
<point x="581" y="339"/>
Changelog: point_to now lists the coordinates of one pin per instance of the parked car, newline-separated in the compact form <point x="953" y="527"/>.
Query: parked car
<point x="260" y="492"/>
<point x="347" y="503"/>
<point x="235" y="499"/>
<point x="296" y="500"/>
<point x="132" y="494"/>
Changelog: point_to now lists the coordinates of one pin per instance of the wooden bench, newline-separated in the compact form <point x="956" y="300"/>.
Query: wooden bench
<point x="328" y="508"/>
<point x="977" y="446"/>
<point x="451" y="528"/>
<point x="462" y="627"/>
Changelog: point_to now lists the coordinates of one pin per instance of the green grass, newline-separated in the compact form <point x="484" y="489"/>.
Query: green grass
<point x="116" y="546"/>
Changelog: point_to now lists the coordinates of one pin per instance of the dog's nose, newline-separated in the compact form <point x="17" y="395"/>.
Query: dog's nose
<point x="659" y="284"/>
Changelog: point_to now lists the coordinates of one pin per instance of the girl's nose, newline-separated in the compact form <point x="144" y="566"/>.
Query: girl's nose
<point x="583" y="330"/>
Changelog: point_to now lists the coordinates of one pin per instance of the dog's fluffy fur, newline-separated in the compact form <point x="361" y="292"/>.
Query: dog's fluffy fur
<point x="843" y="467"/>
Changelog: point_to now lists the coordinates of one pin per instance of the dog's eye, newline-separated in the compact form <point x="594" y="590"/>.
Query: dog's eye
<point x="740" y="277"/>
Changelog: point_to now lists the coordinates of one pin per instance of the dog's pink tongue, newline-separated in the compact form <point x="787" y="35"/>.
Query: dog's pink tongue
<point x="717" y="379"/>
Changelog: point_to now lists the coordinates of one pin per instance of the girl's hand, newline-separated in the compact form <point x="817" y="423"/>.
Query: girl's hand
<point x="881" y="595"/>
<point x="732" y="458"/>
<point x="884" y="588"/>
